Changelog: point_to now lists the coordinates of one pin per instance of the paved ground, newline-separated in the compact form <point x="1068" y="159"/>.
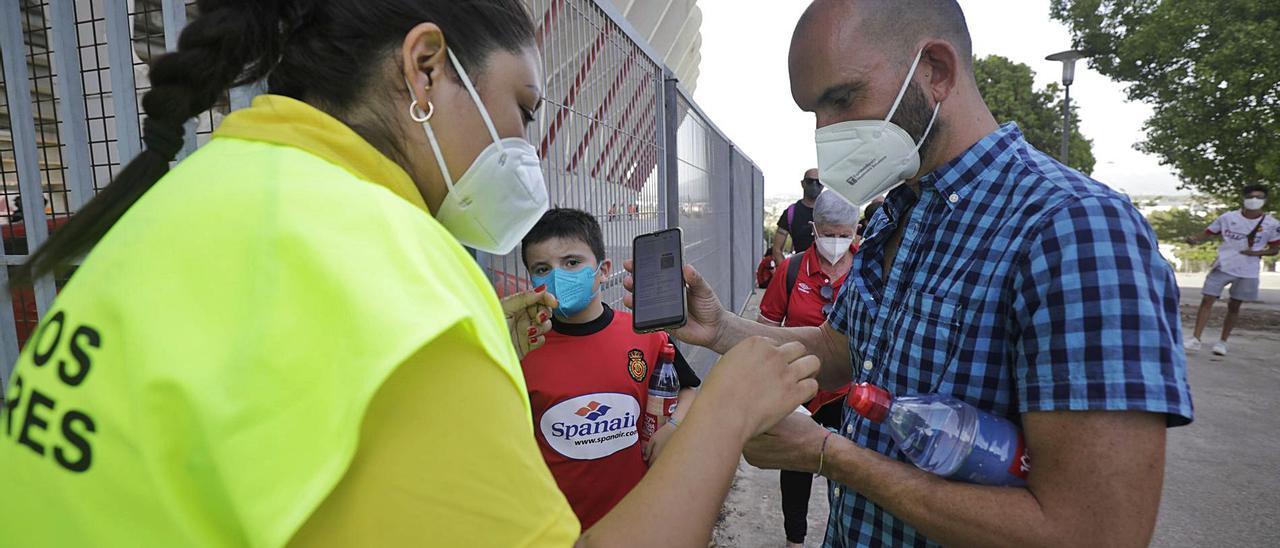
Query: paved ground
<point x="752" y="515"/>
<point x="1222" y="474"/>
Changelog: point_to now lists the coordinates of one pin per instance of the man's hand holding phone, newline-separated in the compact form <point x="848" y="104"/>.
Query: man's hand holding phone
<point x="705" y="313"/>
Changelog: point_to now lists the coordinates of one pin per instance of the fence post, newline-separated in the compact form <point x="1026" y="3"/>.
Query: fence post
<point x="124" y="95"/>
<point x="23" y="132"/>
<point x="74" y="129"/>
<point x="8" y="329"/>
<point x="671" y="148"/>
<point x="757" y="201"/>
<point x="735" y="290"/>
<point x="664" y="197"/>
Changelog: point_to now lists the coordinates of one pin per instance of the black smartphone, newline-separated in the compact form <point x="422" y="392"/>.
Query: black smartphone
<point x="659" y="298"/>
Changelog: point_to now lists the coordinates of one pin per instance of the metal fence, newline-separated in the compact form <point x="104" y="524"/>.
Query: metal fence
<point x="618" y="136"/>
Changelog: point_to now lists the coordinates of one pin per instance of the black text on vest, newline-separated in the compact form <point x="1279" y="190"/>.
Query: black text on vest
<point x="33" y="418"/>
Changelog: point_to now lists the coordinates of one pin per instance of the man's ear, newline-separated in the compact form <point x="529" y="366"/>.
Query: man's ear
<point x="605" y="268"/>
<point x="939" y="70"/>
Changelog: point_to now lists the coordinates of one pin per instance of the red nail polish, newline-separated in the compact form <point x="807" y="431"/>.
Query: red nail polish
<point x="542" y="317"/>
<point x="533" y="331"/>
<point x="540" y="288"/>
<point x="533" y="340"/>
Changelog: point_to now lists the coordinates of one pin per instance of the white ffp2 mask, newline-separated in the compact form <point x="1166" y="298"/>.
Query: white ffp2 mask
<point x="500" y="196"/>
<point x="860" y="159"/>
<point x="1254" y="204"/>
<point x="833" y="249"/>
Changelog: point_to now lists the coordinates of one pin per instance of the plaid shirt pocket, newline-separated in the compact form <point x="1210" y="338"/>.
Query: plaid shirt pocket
<point x="924" y="334"/>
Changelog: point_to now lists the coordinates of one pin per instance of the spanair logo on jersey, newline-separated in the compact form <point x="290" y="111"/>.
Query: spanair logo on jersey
<point x="636" y="365"/>
<point x="592" y="426"/>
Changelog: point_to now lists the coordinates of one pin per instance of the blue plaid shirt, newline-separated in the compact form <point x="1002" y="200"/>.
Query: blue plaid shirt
<point x="1020" y="285"/>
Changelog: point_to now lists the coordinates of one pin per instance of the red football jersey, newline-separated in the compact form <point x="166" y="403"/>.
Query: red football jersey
<point x="587" y="387"/>
<point x="804" y="306"/>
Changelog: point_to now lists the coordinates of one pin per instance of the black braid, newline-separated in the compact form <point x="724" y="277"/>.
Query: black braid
<point x="230" y="43"/>
<point x="163" y="139"/>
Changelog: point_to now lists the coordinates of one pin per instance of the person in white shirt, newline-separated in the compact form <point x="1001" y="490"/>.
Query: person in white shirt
<point x="1248" y="234"/>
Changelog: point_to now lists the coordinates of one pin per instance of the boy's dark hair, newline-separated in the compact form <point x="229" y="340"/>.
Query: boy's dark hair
<point x="1255" y="188"/>
<point x="563" y="222"/>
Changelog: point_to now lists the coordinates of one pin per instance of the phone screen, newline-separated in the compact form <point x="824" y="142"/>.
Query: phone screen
<point x="659" y="281"/>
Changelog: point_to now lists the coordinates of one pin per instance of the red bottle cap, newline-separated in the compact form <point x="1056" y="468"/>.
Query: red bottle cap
<point x="668" y="353"/>
<point x="869" y="401"/>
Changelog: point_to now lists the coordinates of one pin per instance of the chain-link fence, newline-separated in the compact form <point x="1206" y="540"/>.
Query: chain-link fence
<point x="618" y="136"/>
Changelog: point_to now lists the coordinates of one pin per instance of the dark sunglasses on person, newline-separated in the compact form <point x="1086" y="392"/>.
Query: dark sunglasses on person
<point x="827" y="293"/>
<point x="810" y="181"/>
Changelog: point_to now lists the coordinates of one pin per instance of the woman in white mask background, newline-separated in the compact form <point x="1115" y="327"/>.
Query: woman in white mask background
<point x="802" y="293"/>
<point x="309" y="354"/>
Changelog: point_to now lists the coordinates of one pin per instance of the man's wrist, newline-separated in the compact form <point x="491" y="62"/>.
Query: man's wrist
<point x="822" y="451"/>
<point x="839" y="450"/>
<point x="725" y="333"/>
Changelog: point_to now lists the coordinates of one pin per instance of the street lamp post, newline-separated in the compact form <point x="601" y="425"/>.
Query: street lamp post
<point x="1068" y="59"/>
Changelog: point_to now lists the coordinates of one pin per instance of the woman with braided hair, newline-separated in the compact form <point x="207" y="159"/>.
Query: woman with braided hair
<point x="283" y="341"/>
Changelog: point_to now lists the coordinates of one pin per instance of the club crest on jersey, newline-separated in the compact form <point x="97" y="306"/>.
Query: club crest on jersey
<point x="636" y="365"/>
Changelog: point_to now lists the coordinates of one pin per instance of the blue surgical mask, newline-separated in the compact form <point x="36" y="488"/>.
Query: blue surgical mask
<point x="573" y="289"/>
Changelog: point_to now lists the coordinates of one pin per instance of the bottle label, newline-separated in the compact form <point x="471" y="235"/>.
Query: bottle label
<point x="656" y="411"/>
<point x="1021" y="464"/>
<point x="998" y="456"/>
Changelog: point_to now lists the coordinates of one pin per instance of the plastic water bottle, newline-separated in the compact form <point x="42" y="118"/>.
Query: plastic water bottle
<point x="948" y="437"/>
<point x="664" y="388"/>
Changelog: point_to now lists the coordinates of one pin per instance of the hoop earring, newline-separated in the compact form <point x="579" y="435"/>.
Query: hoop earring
<point x="415" y="111"/>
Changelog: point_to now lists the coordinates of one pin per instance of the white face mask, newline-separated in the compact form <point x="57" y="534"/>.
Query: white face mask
<point x="1254" y="204"/>
<point x="861" y="159"/>
<point x="833" y="249"/>
<point x="500" y="196"/>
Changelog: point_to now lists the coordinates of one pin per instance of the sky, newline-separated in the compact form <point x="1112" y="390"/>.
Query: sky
<point x="744" y="88"/>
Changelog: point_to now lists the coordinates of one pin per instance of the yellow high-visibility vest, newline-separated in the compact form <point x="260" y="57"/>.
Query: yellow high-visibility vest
<point x="202" y="379"/>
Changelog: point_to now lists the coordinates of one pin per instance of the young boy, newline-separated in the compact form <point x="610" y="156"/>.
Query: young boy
<point x="588" y="383"/>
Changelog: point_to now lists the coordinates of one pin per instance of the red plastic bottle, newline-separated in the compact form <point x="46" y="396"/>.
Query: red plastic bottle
<point x="664" y="388"/>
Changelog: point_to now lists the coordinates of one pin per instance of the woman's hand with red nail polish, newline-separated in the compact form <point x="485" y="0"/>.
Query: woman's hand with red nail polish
<point x="528" y="318"/>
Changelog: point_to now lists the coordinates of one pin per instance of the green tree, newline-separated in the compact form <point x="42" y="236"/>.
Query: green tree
<point x="1176" y="224"/>
<point x="1173" y="226"/>
<point x="1009" y="90"/>
<point x="1210" y="69"/>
